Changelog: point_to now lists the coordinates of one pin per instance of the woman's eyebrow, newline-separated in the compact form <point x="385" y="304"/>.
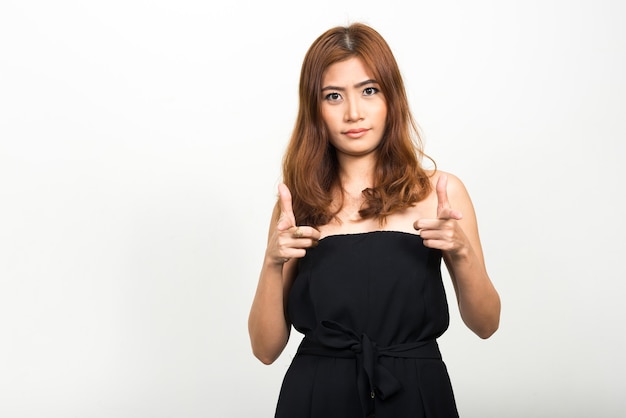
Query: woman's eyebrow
<point x="357" y="85"/>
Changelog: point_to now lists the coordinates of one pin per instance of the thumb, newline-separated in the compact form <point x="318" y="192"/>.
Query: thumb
<point x="287" y="218"/>
<point x="444" y="210"/>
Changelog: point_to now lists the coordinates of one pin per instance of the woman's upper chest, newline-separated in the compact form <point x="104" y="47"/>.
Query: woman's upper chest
<point x="400" y="221"/>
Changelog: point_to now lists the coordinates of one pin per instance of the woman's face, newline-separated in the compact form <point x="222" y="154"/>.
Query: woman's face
<point x="353" y="108"/>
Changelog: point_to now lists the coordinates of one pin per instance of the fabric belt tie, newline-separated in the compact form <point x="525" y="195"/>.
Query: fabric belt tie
<point x="332" y="339"/>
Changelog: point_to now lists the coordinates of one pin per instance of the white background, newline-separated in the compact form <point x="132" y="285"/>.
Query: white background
<point x="140" y="149"/>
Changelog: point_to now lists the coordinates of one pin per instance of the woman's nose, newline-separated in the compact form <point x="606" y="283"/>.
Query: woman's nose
<point x="353" y="111"/>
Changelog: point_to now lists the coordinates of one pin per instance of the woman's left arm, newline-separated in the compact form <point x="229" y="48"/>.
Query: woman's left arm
<point x="455" y="233"/>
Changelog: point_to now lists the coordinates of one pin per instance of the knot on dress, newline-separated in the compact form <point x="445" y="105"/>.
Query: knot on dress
<point x="332" y="339"/>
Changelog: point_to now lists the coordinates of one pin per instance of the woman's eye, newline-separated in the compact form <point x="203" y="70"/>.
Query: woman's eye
<point x="333" y="96"/>
<point x="370" y="91"/>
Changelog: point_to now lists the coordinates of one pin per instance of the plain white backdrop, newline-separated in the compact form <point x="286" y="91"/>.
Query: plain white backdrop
<point x="140" y="149"/>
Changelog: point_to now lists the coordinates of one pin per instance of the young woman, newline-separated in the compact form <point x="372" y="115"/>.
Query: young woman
<point x="355" y="246"/>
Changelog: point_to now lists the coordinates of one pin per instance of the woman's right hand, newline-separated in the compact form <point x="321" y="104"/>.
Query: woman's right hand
<point x="268" y="324"/>
<point x="288" y="240"/>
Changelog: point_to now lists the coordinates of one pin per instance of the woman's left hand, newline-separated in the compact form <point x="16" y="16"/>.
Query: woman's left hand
<point x="443" y="233"/>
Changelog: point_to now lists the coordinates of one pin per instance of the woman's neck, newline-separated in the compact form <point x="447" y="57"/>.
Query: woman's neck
<point x="356" y="174"/>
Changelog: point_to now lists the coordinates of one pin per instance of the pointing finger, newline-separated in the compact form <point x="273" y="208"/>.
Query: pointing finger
<point x="444" y="210"/>
<point x="442" y="196"/>
<point x="287" y="218"/>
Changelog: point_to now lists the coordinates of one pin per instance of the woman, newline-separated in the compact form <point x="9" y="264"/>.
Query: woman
<point x="355" y="245"/>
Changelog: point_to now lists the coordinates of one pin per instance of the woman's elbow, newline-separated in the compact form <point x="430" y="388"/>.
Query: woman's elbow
<point x="264" y="356"/>
<point x="267" y="350"/>
<point x="487" y="322"/>
<point x="482" y="327"/>
<point x="486" y="332"/>
<point x="486" y="328"/>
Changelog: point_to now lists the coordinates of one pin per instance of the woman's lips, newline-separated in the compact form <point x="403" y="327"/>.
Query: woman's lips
<point x="356" y="133"/>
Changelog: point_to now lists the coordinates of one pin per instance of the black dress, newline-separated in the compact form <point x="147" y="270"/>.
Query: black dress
<point x="370" y="306"/>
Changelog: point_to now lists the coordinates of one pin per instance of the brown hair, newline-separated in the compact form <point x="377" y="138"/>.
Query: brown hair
<point x="310" y="167"/>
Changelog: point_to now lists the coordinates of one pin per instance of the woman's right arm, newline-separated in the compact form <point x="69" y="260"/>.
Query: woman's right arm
<point x="268" y="325"/>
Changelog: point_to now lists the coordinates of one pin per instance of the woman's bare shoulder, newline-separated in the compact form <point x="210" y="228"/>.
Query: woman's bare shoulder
<point x="455" y="185"/>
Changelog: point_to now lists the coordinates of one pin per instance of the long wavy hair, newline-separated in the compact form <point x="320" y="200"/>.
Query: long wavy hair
<point x="310" y="166"/>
